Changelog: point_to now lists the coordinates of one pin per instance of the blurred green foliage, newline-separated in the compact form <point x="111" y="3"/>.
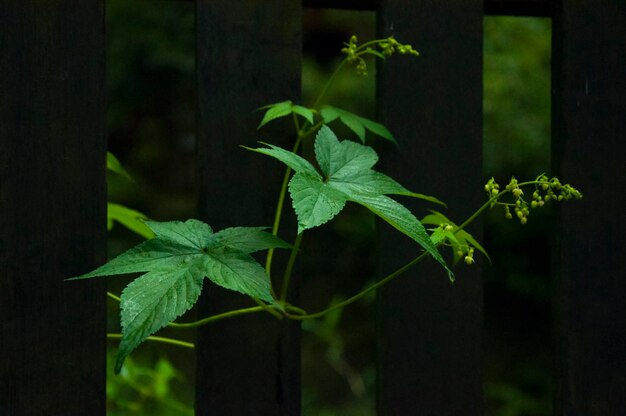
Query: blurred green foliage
<point x="145" y="387"/>
<point x="151" y="121"/>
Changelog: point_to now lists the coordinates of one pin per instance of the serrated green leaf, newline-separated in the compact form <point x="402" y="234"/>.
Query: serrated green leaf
<point x="355" y="123"/>
<point x="238" y="271"/>
<point x="341" y="159"/>
<point x="191" y="233"/>
<point x="275" y="111"/>
<point x="329" y="114"/>
<point x="176" y="261"/>
<point x="295" y="162"/>
<point x="348" y="177"/>
<point x="114" y="165"/>
<point x="155" y="299"/>
<point x="129" y="218"/>
<point x="378" y="129"/>
<point x="307" y="113"/>
<point x="314" y="201"/>
<point x="247" y="239"/>
<point x="282" y="109"/>
<point x="403" y="220"/>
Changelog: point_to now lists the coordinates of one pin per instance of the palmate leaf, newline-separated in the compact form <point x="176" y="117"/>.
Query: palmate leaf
<point x="355" y="123"/>
<point x="176" y="262"/>
<point x="347" y="175"/>
<point x="282" y="109"/>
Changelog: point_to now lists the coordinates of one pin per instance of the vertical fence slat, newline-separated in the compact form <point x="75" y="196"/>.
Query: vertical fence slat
<point x="52" y="197"/>
<point x="430" y="342"/>
<point x="589" y="129"/>
<point x="248" y="55"/>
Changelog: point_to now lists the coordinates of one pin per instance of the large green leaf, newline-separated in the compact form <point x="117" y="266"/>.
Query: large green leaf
<point x="176" y="262"/>
<point x="155" y="299"/>
<point x="347" y="175"/>
<point x="355" y="123"/>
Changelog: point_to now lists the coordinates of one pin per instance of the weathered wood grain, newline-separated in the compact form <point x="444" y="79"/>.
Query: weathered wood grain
<point x="589" y="127"/>
<point x="430" y="355"/>
<point x="53" y="201"/>
<point x="248" y="55"/>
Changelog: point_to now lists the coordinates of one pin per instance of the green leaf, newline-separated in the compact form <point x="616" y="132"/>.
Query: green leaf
<point x="176" y="262"/>
<point x="307" y="113"/>
<point x="155" y="299"/>
<point x="403" y="220"/>
<point x="461" y="239"/>
<point x="275" y="111"/>
<point x="315" y="202"/>
<point x="355" y="123"/>
<point x="347" y="175"/>
<point x="290" y="159"/>
<point x="247" y="239"/>
<point x="129" y="218"/>
<point x="282" y="109"/>
<point x="114" y="165"/>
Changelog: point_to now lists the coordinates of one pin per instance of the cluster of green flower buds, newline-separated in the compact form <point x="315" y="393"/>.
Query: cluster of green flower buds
<point x="390" y="45"/>
<point x="354" y="57"/>
<point x="387" y="46"/>
<point x="545" y="190"/>
<point x="521" y="207"/>
<point x="469" y="256"/>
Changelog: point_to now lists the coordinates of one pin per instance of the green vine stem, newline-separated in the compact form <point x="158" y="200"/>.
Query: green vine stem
<point x="289" y="268"/>
<point x="362" y="293"/>
<point x="301" y="135"/>
<point x="114" y="297"/>
<point x="213" y="318"/>
<point x="161" y="340"/>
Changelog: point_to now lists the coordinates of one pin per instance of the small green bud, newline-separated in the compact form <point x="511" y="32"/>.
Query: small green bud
<point x="534" y="204"/>
<point x="523" y="220"/>
<point x="508" y="216"/>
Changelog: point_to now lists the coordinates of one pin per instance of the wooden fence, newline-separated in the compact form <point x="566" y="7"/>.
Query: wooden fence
<point x="53" y="195"/>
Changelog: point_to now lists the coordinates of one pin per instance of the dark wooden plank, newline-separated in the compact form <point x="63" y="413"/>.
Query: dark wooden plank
<point x="430" y="341"/>
<point x="53" y="199"/>
<point x="589" y="127"/>
<point x="537" y="8"/>
<point x="342" y="4"/>
<point x="248" y="55"/>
